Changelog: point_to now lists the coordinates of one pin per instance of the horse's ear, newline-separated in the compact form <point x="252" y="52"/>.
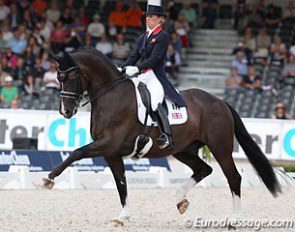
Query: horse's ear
<point x="56" y="57"/>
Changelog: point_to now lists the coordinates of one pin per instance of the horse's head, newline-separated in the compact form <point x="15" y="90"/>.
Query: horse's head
<point x="70" y="77"/>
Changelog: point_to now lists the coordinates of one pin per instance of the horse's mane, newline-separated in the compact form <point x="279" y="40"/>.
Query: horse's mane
<point x="98" y="53"/>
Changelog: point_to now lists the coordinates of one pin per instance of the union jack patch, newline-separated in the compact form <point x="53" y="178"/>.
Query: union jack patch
<point x="176" y="115"/>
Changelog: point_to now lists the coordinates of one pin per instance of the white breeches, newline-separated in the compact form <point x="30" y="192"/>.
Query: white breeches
<point x="154" y="86"/>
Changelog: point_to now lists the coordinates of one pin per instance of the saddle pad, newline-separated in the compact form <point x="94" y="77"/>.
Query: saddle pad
<point x="176" y="115"/>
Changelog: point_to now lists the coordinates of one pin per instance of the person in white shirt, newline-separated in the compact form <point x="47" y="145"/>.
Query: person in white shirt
<point x="96" y="29"/>
<point x="104" y="46"/>
<point x="50" y="78"/>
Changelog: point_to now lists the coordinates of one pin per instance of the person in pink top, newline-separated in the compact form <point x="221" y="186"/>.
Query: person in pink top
<point x="58" y="36"/>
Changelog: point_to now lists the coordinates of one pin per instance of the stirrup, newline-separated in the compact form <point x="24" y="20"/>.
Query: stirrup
<point x="164" y="141"/>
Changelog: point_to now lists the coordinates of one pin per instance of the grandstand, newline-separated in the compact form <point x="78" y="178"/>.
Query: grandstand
<point x="207" y="61"/>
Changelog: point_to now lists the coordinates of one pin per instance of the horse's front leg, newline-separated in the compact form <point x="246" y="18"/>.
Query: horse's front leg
<point x="94" y="149"/>
<point x="116" y="165"/>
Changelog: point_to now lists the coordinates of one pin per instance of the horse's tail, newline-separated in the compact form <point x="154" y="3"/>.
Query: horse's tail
<point x="255" y="155"/>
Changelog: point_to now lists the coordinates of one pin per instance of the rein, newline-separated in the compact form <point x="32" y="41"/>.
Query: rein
<point x="105" y="88"/>
<point x="78" y="95"/>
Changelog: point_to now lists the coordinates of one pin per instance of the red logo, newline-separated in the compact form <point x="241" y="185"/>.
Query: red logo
<point x="177" y="115"/>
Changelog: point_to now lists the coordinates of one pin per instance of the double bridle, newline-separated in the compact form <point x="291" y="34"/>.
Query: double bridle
<point x="78" y="95"/>
<point x="62" y="76"/>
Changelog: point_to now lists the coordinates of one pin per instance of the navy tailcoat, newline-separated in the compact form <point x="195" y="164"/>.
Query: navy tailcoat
<point x="151" y="54"/>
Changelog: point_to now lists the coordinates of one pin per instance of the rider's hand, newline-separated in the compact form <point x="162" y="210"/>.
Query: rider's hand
<point x="120" y="69"/>
<point x="131" y="70"/>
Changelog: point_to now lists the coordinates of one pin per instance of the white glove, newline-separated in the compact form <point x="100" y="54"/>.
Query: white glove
<point x="120" y="69"/>
<point x="131" y="70"/>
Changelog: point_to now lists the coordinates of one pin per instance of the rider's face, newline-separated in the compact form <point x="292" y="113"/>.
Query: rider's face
<point x="152" y="21"/>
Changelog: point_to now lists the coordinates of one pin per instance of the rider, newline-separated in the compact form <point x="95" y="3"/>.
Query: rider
<point x="150" y="51"/>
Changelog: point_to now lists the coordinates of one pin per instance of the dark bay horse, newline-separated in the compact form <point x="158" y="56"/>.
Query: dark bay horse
<point x="114" y="127"/>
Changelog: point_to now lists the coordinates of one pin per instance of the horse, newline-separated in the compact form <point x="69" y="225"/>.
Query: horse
<point x="114" y="127"/>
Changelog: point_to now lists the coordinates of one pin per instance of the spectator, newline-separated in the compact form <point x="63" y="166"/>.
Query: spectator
<point x="29" y="20"/>
<point x="23" y="6"/>
<point x="280" y="112"/>
<point x="79" y="27"/>
<point x="87" y="43"/>
<point x="278" y="51"/>
<point x="30" y="58"/>
<point x="252" y="80"/>
<point x="247" y="53"/>
<point x="30" y="87"/>
<point x="7" y="34"/>
<point x="240" y="11"/>
<point x="58" y="36"/>
<point x="4" y="11"/>
<point x="289" y="68"/>
<point x="272" y="18"/>
<point x="209" y="13"/>
<point x="234" y="81"/>
<point x="17" y="44"/>
<point x="73" y="40"/>
<point x="50" y="78"/>
<point x="5" y="66"/>
<point x="19" y="70"/>
<point x="121" y="50"/>
<point x="255" y="18"/>
<point x="263" y="44"/>
<point x="173" y="62"/>
<point x="182" y="29"/>
<point x="289" y="11"/>
<point x="292" y="48"/>
<point x="3" y="43"/>
<point x="82" y="17"/>
<point x="172" y="10"/>
<point x="66" y="18"/>
<point x="14" y="104"/>
<point x="53" y="12"/>
<point x="32" y="43"/>
<point x="96" y="28"/>
<point x="39" y="6"/>
<point x="8" y="92"/>
<point x="45" y="62"/>
<point x="10" y="56"/>
<point x="112" y="31"/>
<point x="175" y="40"/>
<point x="45" y="29"/>
<point x="189" y="13"/>
<point x="239" y="70"/>
<point x="134" y="16"/>
<point x="104" y="46"/>
<point x="3" y="75"/>
<point x="249" y="39"/>
<point x="118" y="17"/>
<point x="38" y="71"/>
<point x="14" y="17"/>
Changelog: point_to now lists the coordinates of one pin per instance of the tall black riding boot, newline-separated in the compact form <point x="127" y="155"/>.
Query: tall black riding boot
<point x="165" y="139"/>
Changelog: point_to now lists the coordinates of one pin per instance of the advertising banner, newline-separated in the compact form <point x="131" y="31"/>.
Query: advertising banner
<point x="276" y="138"/>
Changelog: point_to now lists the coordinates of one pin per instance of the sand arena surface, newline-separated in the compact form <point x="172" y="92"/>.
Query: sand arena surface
<point x="152" y="210"/>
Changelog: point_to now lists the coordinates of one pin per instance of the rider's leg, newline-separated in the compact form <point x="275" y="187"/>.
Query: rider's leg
<point x="159" y="114"/>
<point x="165" y="139"/>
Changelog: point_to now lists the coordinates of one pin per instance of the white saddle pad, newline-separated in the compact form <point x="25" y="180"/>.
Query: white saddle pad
<point x="176" y="115"/>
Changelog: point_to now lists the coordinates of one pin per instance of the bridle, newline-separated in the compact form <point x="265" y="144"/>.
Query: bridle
<point x="62" y="76"/>
<point x="78" y="95"/>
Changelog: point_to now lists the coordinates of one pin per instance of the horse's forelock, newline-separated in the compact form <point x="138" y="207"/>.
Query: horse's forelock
<point x="66" y="62"/>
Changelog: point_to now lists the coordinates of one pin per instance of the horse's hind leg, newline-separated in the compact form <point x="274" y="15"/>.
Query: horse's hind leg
<point x="224" y="158"/>
<point x="200" y="171"/>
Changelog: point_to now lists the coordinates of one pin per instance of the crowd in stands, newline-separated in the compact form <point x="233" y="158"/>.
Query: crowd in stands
<point x="265" y="54"/>
<point x="30" y="29"/>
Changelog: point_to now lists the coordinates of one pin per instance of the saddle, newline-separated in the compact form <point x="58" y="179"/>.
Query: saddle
<point x="176" y="116"/>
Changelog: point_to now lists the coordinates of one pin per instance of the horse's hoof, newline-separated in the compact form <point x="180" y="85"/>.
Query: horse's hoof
<point x="182" y="206"/>
<point x="47" y="183"/>
<point x="117" y="223"/>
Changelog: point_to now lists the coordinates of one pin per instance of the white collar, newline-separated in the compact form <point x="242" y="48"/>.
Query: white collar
<point x="151" y="31"/>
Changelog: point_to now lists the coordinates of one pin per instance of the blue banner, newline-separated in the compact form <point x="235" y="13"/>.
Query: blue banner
<point x="45" y="160"/>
